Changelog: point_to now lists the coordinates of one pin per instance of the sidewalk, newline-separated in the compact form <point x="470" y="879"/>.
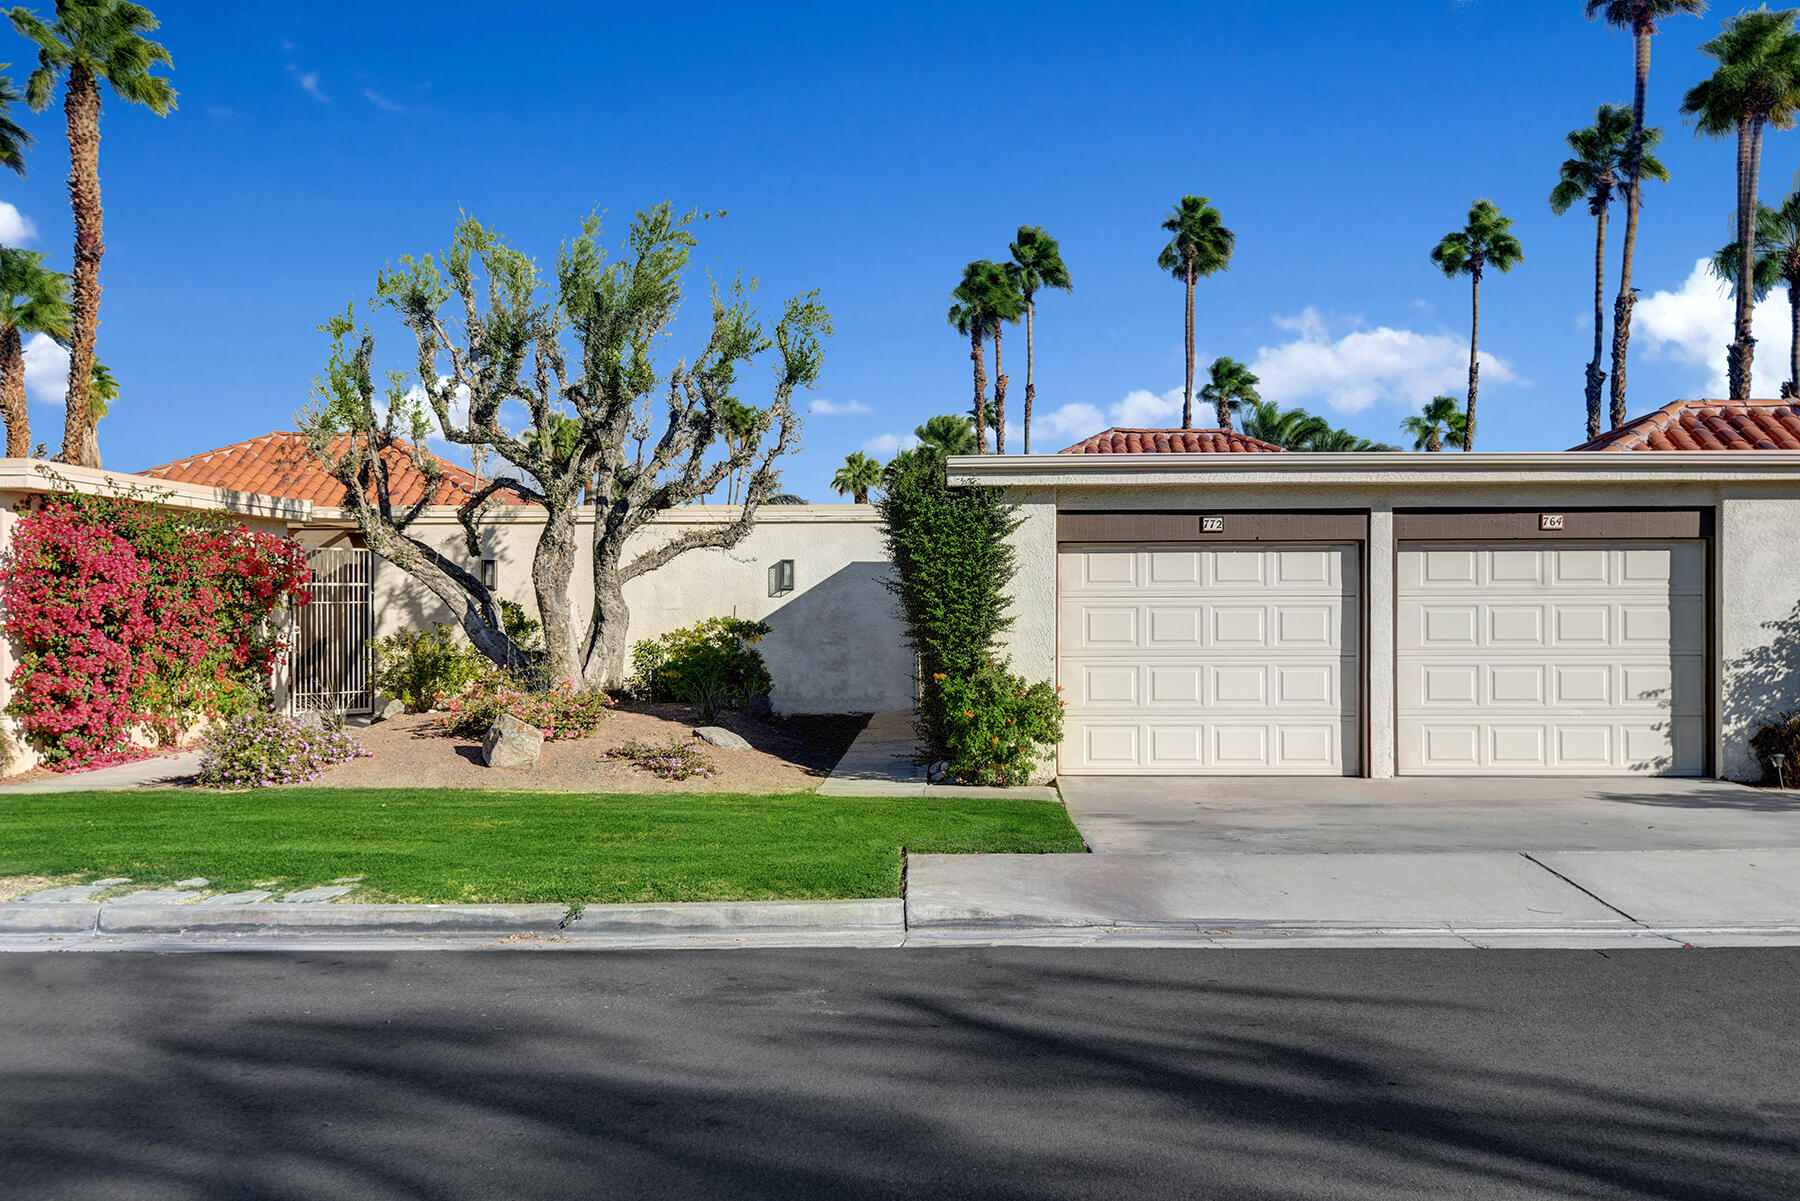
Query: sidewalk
<point x="880" y="763"/>
<point x="161" y="770"/>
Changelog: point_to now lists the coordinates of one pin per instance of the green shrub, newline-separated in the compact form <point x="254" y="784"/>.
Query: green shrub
<point x="522" y="628"/>
<point x="953" y="558"/>
<point x="675" y="759"/>
<point x="997" y="726"/>
<point x="710" y="665"/>
<point x="417" y="666"/>
<point x="267" y="750"/>
<point x="559" y="712"/>
<point x="1779" y="735"/>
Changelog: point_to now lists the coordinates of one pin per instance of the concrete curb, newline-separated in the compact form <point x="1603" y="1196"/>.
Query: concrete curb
<point x="273" y="919"/>
<point x="885" y="916"/>
<point x="73" y="918"/>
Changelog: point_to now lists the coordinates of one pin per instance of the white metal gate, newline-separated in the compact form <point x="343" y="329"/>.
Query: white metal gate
<point x="331" y="653"/>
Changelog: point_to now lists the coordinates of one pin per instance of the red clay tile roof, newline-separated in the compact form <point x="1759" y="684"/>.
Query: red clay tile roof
<point x="279" y="464"/>
<point x="1171" y="442"/>
<point x="1708" y="425"/>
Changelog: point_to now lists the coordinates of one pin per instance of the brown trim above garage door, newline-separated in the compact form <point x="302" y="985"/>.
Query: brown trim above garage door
<point x="1212" y="525"/>
<point x="1497" y="525"/>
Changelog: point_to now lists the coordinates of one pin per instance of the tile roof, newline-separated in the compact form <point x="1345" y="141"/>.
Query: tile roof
<point x="279" y="464"/>
<point x="1171" y="442"/>
<point x="1708" y="425"/>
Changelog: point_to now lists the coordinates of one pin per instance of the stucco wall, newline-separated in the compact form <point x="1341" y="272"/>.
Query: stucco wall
<point x="1755" y="588"/>
<point x="836" y="646"/>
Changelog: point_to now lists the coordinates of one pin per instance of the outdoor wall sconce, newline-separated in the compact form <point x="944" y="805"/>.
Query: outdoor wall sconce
<point x="490" y="573"/>
<point x="781" y="577"/>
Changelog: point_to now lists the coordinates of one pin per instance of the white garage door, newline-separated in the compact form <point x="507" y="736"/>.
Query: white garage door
<point x="1224" y="660"/>
<point x="1573" y="659"/>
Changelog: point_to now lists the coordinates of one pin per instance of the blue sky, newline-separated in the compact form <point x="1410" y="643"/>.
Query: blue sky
<point x="870" y="153"/>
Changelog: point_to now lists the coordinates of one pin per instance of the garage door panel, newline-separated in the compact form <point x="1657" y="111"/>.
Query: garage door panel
<point x="1584" y="659"/>
<point x="1236" y="659"/>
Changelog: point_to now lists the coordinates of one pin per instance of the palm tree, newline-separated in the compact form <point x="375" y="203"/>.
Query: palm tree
<point x="33" y="300"/>
<point x="1756" y="84"/>
<point x="739" y="424"/>
<point x="13" y="138"/>
<point x="1229" y="386"/>
<point x="1442" y="418"/>
<point x="1292" y="429"/>
<point x="1486" y="240"/>
<point x="1037" y="263"/>
<point x="1777" y="262"/>
<point x="858" y="474"/>
<point x="986" y="297"/>
<point x="1201" y="246"/>
<point x="87" y="42"/>
<point x="1639" y="17"/>
<point x="948" y="434"/>
<point x="1335" y="441"/>
<point x="1600" y="152"/>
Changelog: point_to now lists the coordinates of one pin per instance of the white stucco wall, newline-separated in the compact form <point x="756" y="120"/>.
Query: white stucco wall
<point x="1755" y="585"/>
<point x="836" y="646"/>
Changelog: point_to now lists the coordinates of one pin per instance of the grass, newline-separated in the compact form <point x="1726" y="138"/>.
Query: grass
<point x="452" y="845"/>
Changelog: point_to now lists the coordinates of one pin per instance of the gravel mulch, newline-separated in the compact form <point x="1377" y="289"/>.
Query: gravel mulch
<point x="788" y="755"/>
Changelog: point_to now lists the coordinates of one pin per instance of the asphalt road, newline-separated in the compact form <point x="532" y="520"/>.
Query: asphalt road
<point x="996" y="1073"/>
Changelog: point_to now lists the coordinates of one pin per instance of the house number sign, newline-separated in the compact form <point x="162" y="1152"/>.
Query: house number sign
<point x="1212" y="525"/>
<point x="1550" y="521"/>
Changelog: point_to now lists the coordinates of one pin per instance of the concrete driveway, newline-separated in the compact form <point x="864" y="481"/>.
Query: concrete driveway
<point x="1310" y="815"/>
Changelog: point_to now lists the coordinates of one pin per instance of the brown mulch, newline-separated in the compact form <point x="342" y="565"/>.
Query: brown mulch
<point x="791" y="754"/>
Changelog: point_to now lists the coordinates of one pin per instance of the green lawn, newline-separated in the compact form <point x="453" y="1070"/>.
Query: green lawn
<point x="454" y="845"/>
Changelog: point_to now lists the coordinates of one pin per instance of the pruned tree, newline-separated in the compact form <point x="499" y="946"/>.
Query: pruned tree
<point x="486" y="334"/>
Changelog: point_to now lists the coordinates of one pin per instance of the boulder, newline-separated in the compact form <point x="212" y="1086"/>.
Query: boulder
<point x="390" y="708"/>
<point x="512" y="743"/>
<point x="722" y="738"/>
<point x="310" y="719"/>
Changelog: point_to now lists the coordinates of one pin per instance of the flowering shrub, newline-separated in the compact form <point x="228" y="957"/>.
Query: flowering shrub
<point x="558" y="711"/>
<point x="263" y="750"/>
<point x="416" y="666"/>
<point x="997" y="727"/>
<point x="709" y="665"/>
<point x="675" y="759"/>
<point x="128" y="615"/>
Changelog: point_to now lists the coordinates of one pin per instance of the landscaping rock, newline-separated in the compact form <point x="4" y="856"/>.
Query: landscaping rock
<point x="193" y="882"/>
<point x="62" y="896"/>
<point x="310" y="719"/>
<point x="511" y="743"/>
<point x="310" y="895"/>
<point x="722" y="738"/>
<point x="393" y="708"/>
<point x="112" y="881"/>
<point x="249" y="896"/>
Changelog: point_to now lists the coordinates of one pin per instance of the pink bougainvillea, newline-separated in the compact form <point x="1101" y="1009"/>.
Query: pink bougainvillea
<point x="126" y="615"/>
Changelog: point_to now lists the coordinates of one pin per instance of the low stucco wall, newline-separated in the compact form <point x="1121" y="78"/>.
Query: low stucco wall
<point x="837" y="646"/>
<point x="1754" y="588"/>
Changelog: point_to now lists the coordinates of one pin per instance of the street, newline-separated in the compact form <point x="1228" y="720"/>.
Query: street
<point x="920" y="1073"/>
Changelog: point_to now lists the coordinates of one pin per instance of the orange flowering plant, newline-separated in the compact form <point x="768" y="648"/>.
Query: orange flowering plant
<point x="997" y="726"/>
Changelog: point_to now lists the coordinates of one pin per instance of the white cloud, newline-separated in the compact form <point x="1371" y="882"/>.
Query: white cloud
<point x="887" y="444"/>
<point x="382" y="102"/>
<point x="834" y="408"/>
<point x="16" y="228"/>
<point x="1357" y="369"/>
<point x="46" y="370"/>
<point x="1694" y="325"/>
<point x="309" y="83"/>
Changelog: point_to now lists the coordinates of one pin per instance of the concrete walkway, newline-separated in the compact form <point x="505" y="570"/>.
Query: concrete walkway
<point x="881" y="763"/>
<point x="161" y="770"/>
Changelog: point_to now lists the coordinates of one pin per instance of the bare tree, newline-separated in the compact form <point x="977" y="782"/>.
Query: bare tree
<point x="504" y="340"/>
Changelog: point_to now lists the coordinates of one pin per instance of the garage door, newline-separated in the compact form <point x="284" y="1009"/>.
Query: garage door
<point x="1227" y="660"/>
<point x="1573" y="659"/>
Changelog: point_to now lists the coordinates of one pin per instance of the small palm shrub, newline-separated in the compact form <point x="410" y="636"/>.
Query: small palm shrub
<point x="266" y="750"/>
<point x="560" y="712"/>
<point x="710" y="665"/>
<point x="1779" y="735"/>
<point x="415" y="667"/>
<point x="997" y="726"/>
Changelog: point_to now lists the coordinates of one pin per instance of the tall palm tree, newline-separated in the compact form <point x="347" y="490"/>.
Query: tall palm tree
<point x="858" y="474"/>
<point x="1201" y="246"/>
<point x="1484" y="241"/>
<point x="1756" y="85"/>
<point x="1291" y="429"/>
<point x="13" y="138"/>
<point x="987" y="297"/>
<point x="89" y="41"/>
<point x="1777" y="262"/>
<point x="1037" y="263"/>
<point x="1441" y="418"/>
<point x="33" y="300"/>
<point x="1599" y="153"/>
<point x="1639" y="18"/>
<point x="1229" y="386"/>
<point x="948" y="434"/>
